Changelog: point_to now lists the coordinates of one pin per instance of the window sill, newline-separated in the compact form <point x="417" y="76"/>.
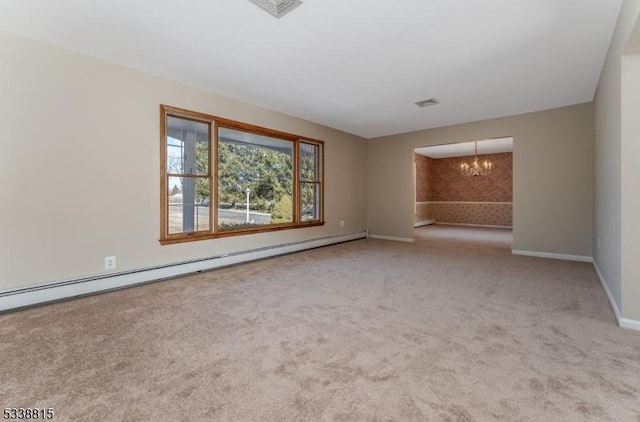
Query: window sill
<point x="193" y="237"/>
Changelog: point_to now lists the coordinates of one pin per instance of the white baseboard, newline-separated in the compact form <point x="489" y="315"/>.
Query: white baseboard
<point x="563" y="257"/>
<point x="20" y="298"/>
<point x="605" y="286"/>
<point x="395" y="239"/>
<point x="421" y="223"/>
<point x="630" y="324"/>
<point x="622" y="322"/>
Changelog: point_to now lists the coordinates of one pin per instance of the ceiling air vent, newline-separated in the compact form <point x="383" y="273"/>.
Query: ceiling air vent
<point x="427" y="103"/>
<point x="278" y="8"/>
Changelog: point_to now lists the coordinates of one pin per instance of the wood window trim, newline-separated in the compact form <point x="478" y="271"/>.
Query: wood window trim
<point x="215" y="123"/>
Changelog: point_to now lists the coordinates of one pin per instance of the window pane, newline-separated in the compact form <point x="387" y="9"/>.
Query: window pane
<point x="188" y="206"/>
<point x="187" y="146"/>
<point x="256" y="168"/>
<point x="309" y="162"/>
<point x="310" y="201"/>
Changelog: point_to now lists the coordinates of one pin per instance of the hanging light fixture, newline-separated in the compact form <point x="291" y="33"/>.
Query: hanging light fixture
<point x="278" y="8"/>
<point x="476" y="169"/>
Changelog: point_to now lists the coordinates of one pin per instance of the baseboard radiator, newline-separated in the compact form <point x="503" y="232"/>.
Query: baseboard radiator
<point x="53" y="292"/>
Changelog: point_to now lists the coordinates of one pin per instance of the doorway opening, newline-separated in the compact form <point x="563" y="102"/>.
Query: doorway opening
<point x="447" y="193"/>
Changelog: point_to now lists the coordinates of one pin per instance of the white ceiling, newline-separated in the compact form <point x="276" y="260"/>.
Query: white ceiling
<point x="356" y="65"/>
<point x="463" y="149"/>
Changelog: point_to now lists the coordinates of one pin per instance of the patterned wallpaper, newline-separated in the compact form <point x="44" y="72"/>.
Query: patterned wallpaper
<point x="424" y="177"/>
<point x="441" y="181"/>
<point x="467" y="213"/>
<point x="449" y="184"/>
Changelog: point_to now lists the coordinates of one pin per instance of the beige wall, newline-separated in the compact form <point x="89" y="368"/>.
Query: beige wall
<point x="79" y="168"/>
<point x="631" y="186"/>
<point x="609" y="182"/>
<point x="552" y="188"/>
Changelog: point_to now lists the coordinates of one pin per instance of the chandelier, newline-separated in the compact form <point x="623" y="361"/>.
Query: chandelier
<point x="476" y="169"/>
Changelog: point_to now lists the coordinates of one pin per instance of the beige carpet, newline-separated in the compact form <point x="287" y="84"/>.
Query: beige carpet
<point x="445" y="329"/>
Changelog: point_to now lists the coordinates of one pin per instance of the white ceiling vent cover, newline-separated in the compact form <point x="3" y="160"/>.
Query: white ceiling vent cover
<point x="427" y="103"/>
<point x="278" y="8"/>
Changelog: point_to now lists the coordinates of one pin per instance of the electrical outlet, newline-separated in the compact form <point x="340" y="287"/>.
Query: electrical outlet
<point x="109" y="262"/>
<point x="598" y="243"/>
<point x="341" y="223"/>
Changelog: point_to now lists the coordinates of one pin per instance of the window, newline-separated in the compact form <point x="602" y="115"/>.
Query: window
<point x="310" y="184"/>
<point x="222" y="178"/>
<point x="255" y="180"/>
<point x="188" y="143"/>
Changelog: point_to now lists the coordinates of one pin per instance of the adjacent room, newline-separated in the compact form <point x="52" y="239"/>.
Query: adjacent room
<point x="469" y="183"/>
<point x="285" y="210"/>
